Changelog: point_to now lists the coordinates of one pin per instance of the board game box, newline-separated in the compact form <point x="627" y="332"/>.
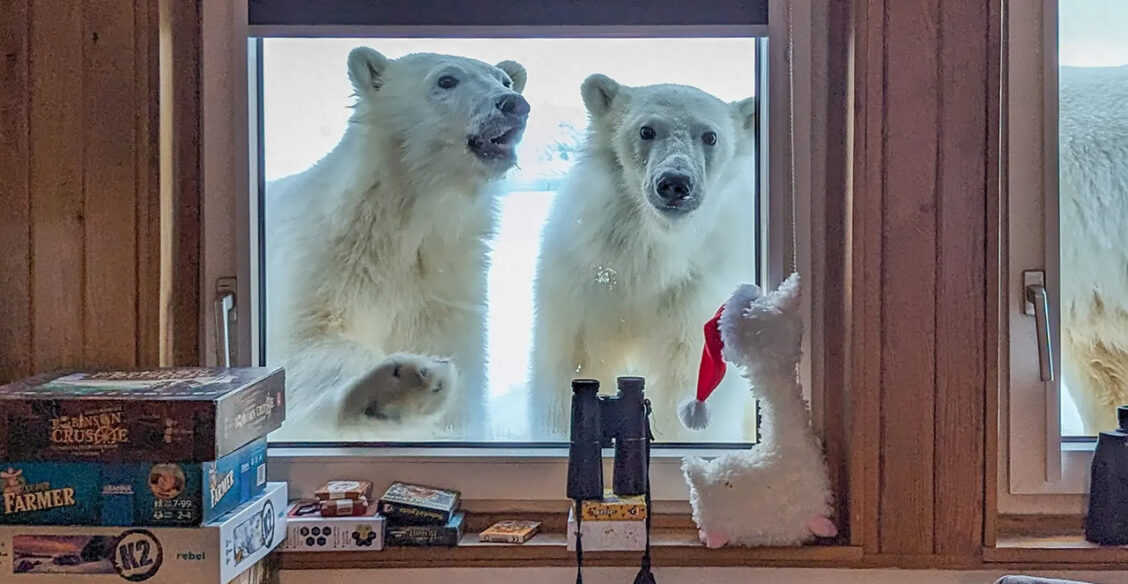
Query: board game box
<point x="607" y="536"/>
<point x="614" y="508"/>
<point x="130" y="493"/>
<point x="307" y="531"/>
<point x="446" y="535"/>
<point x="418" y="505"/>
<point x="216" y="552"/>
<point x="510" y="531"/>
<point x="185" y="414"/>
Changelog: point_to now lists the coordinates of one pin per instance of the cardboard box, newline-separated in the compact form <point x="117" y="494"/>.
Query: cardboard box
<point x="614" y="508"/>
<point x="607" y="536"/>
<point x="217" y="552"/>
<point x="407" y="535"/>
<point x="314" y="533"/>
<point x="407" y="504"/>
<point x="187" y="414"/>
<point x="510" y="531"/>
<point x="130" y="494"/>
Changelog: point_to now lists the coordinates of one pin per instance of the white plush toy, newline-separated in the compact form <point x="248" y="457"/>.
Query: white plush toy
<point x="777" y="493"/>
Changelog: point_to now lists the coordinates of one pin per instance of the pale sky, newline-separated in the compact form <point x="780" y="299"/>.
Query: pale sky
<point x="1093" y="33"/>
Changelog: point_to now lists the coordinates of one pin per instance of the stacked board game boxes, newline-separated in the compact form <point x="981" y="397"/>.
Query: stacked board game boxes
<point x="158" y="475"/>
<point x="613" y="523"/>
<point x="417" y="515"/>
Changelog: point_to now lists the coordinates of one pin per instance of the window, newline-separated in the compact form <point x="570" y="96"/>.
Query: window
<point x="1066" y="155"/>
<point x="299" y="98"/>
<point x="307" y="100"/>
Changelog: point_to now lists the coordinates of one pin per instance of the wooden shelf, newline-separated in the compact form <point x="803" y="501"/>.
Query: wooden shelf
<point x="1065" y="548"/>
<point x="670" y="547"/>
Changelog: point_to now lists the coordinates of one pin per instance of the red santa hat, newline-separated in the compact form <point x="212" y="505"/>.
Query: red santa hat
<point x="692" y="412"/>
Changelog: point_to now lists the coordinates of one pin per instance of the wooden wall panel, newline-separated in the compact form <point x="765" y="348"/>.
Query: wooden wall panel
<point x="961" y="384"/>
<point x="179" y="296"/>
<point x="865" y="273"/>
<point x="57" y="179"/>
<point x="146" y="25"/>
<point x="837" y="422"/>
<point x="15" y="201"/>
<point x="918" y="248"/>
<point x="79" y="220"/>
<point x="111" y="210"/>
<point x="908" y="281"/>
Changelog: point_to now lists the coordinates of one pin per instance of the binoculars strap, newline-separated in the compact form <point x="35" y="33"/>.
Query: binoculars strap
<point x="579" y="545"/>
<point x="645" y="576"/>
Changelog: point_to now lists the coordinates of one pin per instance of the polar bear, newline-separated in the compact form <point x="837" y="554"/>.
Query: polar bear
<point x="1093" y="185"/>
<point x="377" y="254"/>
<point x="649" y="235"/>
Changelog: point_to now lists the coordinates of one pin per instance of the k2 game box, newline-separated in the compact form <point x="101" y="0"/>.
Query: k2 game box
<point x="217" y="552"/>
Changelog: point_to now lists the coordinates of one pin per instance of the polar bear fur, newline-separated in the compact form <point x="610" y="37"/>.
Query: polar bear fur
<point x="778" y="492"/>
<point x="626" y="278"/>
<point x="1093" y="150"/>
<point x="376" y="255"/>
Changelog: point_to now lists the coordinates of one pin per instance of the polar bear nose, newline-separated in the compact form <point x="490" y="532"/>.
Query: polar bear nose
<point x="674" y="185"/>
<point x="514" y="104"/>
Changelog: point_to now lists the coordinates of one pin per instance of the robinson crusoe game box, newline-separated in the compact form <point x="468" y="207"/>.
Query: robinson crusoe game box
<point x="174" y="494"/>
<point x="174" y="415"/>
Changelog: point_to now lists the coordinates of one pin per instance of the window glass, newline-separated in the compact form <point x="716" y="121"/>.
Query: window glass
<point x="1093" y="186"/>
<point x="420" y="285"/>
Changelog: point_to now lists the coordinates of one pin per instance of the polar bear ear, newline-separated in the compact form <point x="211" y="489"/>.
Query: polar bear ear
<point x="516" y="73"/>
<point x="745" y="112"/>
<point x="599" y="93"/>
<point x="366" y="69"/>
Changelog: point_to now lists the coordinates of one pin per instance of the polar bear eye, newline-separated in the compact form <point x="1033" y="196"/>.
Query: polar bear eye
<point x="447" y="82"/>
<point x="647" y="133"/>
<point x="507" y="83"/>
<point x="710" y="138"/>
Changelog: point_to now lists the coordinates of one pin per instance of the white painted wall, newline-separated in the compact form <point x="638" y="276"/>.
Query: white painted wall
<point x="673" y="576"/>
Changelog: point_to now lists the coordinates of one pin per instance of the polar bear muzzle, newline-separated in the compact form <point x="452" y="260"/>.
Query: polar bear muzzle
<point x="495" y="142"/>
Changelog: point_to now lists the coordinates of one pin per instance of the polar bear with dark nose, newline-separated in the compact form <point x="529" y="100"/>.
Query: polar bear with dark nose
<point x="377" y="255"/>
<point x="651" y="232"/>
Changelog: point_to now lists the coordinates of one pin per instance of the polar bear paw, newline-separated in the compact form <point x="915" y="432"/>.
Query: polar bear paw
<point x="401" y="387"/>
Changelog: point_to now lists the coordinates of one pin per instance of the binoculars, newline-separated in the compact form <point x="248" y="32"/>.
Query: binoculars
<point x="600" y="421"/>
<point x="1106" y="519"/>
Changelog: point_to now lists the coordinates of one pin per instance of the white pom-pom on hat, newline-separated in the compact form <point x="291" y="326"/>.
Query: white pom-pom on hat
<point x="693" y="413"/>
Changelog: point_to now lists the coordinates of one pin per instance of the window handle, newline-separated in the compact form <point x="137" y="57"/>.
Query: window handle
<point x="1038" y="306"/>
<point x="224" y="315"/>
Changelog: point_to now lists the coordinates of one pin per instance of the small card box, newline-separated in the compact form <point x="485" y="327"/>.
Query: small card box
<point x="510" y="531"/>
<point x="344" y="490"/>
<point x="614" y="508"/>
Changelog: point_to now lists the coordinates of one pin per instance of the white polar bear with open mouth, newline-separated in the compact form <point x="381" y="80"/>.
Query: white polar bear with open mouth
<point x="648" y="237"/>
<point x="377" y="255"/>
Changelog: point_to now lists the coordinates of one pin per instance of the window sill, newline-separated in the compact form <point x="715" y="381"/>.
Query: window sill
<point x="1049" y="539"/>
<point x="669" y="547"/>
